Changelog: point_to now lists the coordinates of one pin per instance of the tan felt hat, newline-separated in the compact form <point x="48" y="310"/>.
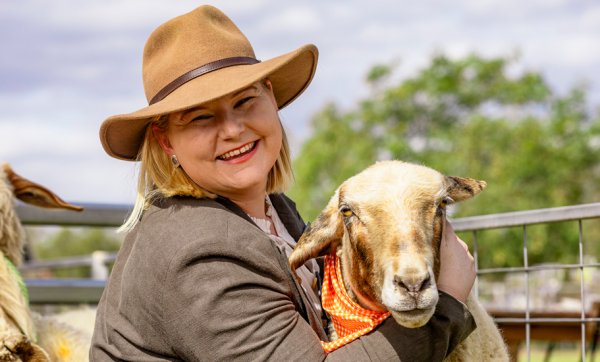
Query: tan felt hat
<point x="195" y="58"/>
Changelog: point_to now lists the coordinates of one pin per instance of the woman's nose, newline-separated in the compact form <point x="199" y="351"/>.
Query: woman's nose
<point x="232" y="125"/>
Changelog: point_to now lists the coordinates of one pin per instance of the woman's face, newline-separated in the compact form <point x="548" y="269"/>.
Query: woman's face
<point x="227" y="146"/>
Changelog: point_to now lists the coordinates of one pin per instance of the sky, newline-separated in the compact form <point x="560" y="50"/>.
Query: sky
<point x="66" y="65"/>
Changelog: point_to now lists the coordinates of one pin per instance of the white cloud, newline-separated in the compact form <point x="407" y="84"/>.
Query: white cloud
<point x="342" y="11"/>
<point x="296" y="19"/>
<point x="512" y="8"/>
<point x="590" y="19"/>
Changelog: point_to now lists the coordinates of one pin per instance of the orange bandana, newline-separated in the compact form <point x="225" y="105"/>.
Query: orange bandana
<point x="350" y="320"/>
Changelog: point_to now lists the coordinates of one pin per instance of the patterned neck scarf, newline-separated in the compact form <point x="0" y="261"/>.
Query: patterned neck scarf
<point x="350" y="320"/>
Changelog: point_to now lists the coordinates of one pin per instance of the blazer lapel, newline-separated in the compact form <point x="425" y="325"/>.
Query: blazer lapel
<point x="295" y="226"/>
<point x="288" y="215"/>
<point x="300" y="299"/>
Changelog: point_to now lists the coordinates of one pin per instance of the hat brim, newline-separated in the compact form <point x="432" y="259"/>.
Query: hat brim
<point x="122" y="135"/>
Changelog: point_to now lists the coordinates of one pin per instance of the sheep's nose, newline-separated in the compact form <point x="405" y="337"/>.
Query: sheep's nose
<point x="413" y="283"/>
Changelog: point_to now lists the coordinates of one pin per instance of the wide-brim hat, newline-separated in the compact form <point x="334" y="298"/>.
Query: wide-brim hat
<point x="196" y="58"/>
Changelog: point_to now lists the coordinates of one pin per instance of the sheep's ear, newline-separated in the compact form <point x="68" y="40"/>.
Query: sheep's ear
<point x="35" y="194"/>
<point x="463" y="188"/>
<point x="320" y="237"/>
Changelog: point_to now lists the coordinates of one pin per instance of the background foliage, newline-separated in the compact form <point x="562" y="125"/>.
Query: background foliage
<point x="476" y="117"/>
<point x="69" y="242"/>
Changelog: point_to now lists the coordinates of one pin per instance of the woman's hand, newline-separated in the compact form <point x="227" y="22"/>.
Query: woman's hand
<point x="457" y="266"/>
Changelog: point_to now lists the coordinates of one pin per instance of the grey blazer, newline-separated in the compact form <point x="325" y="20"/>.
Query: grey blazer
<point x="197" y="280"/>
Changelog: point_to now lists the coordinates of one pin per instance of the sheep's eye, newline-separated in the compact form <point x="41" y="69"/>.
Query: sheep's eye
<point x="445" y="202"/>
<point x="346" y="211"/>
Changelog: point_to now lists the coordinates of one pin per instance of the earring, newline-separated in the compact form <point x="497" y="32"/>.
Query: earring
<point x="174" y="160"/>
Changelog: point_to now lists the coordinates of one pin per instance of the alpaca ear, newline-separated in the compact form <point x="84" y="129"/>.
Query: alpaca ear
<point x="463" y="188"/>
<point x="320" y="237"/>
<point x="35" y="194"/>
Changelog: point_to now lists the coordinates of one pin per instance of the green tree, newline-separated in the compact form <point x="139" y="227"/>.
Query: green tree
<point x="467" y="117"/>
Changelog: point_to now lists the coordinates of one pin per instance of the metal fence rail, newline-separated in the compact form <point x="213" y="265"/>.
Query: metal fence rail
<point x="529" y="217"/>
<point x="65" y="291"/>
<point x="92" y="215"/>
<point x="89" y="291"/>
<point x="72" y="291"/>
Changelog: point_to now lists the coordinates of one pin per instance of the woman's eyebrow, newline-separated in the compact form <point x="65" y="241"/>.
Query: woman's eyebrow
<point x="192" y="111"/>
<point x="252" y="87"/>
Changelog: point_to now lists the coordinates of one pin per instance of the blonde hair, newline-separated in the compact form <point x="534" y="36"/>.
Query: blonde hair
<point x="159" y="178"/>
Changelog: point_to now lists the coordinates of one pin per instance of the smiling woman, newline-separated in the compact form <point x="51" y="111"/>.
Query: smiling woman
<point x="228" y="145"/>
<point x="203" y="271"/>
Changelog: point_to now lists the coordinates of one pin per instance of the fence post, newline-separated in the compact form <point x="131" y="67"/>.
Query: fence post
<point x="99" y="267"/>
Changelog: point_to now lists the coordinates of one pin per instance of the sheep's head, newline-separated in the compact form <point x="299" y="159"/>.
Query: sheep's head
<point x="14" y="186"/>
<point x="386" y="225"/>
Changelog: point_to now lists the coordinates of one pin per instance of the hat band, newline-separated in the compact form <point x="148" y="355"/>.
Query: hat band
<point x="194" y="73"/>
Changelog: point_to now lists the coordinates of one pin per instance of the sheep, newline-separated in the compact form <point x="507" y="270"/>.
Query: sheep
<point x="27" y="336"/>
<point x="385" y="225"/>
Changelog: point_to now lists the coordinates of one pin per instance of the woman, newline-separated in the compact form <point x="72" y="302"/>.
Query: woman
<point x="203" y="273"/>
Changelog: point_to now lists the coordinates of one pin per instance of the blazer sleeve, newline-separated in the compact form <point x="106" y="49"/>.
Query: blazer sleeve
<point x="234" y="303"/>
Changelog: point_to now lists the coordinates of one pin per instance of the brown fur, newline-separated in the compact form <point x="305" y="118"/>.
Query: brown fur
<point x="386" y="224"/>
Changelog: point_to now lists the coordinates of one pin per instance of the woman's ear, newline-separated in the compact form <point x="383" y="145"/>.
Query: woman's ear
<point x="269" y="89"/>
<point x="162" y="139"/>
<point x="268" y="84"/>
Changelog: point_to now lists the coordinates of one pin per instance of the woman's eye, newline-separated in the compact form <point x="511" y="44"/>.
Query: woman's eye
<point x="202" y="117"/>
<point x="244" y="101"/>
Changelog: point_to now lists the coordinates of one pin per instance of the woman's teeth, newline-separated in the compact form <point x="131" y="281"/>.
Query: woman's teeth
<point x="237" y="152"/>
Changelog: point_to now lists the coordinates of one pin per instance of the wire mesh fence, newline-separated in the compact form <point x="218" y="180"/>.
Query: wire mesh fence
<point x="554" y="302"/>
<point x="550" y="302"/>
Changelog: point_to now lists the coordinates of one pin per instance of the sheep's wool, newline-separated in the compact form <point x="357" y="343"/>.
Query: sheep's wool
<point x="350" y="320"/>
<point x="17" y="276"/>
